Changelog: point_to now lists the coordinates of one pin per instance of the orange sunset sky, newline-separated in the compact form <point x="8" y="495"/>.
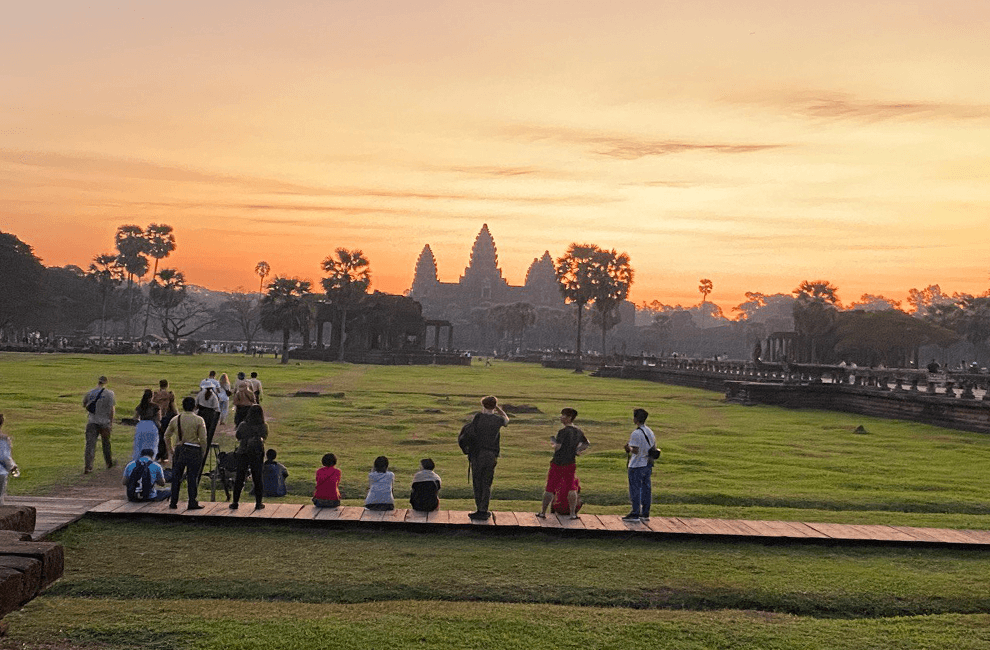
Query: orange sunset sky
<point x="758" y="144"/>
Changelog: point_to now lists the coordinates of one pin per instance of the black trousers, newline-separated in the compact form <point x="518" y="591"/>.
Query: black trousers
<point x="255" y="463"/>
<point x="187" y="460"/>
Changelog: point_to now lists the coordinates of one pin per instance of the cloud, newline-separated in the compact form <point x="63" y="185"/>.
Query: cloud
<point x="625" y="147"/>
<point x="841" y="106"/>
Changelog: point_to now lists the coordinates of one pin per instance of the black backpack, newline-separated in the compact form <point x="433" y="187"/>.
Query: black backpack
<point x="91" y="406"/>
<point x="139" y="483"/>
<point x="466" y="436"/>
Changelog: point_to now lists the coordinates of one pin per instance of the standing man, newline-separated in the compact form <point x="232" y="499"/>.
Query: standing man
<point x="256" y="387"/>
<point x="484" y="449"/>
<point x="101" y="405"/>
<point x="568" y="444"/>
<point x="189" y="432"/>
<point x="641" y="440"/>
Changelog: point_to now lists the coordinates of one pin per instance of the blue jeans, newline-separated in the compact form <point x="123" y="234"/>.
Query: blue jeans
<point x="641" y="490"/>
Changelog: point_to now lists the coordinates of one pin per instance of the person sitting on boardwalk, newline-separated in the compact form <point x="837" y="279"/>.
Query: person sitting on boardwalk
<point x="568" y="444"/>
<point x="327" y="494"/>
<point x="380" y="482"/>
<point x="273" y="475"/>
<point x="189" y="432"/>
<point x="425" y="486"/>
<point x="156" y="477"/>
<point x="250" y="454"/>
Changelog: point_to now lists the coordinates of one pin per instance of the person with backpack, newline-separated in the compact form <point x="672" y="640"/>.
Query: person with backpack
<point x="190" y="449"/>
<point x="100" y="403"/>
<point x="642" y="451"/>
<point x="141" y="476"/>
<point x="480" y="439"/>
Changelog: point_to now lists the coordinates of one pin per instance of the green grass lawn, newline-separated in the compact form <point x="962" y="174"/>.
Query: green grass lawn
<point x="273" y="586"/>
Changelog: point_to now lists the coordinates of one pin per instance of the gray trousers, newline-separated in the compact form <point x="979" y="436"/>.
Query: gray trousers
<point x="94" y="431"/>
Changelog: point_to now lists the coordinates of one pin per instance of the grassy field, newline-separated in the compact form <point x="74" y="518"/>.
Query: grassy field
<point x="268" y="586"/>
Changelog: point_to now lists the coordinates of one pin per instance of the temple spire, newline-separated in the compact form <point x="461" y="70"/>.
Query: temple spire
<point x="425" y="277"/>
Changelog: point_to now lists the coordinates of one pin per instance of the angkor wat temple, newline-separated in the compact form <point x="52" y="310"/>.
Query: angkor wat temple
<point x="482" y="284"/>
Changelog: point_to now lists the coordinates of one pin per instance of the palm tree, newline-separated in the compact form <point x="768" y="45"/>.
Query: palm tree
<point x="575" y="278"/>
<point x="350" y="277"/>
<point x="815" y="313"/>
<point x="132" y="250"/>
<point x="262" y="268"/>
<point x="160" y="244"/>
<point x="613" y="275"/>
<point x="108" y="274"/>
<point x="284" y="309"/>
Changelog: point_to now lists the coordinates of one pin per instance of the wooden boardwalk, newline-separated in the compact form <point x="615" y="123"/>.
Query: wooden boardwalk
<point x="53" y="513"/>
<point x="588" y="524"/>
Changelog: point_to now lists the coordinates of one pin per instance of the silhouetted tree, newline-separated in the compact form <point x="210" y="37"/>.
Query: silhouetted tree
<point x="815" y="310"/>
<point x="575" y="276"/>
<point x="870" y="302"/>
<point x="180" y="315"/>
<point x="21" y="278"/>
<point x="262" y="269"/>
<point x="243" y="309"/>
<point x="108" y="274"/>
<point x="705" y="288"/>
<point x="284" y="309"/>
<point x="612" y="276"/>
<point x="132" y="249"/>
<point x="348" y="282"/>
<point x="160" y="242"/>
<point x="513" y="319"/>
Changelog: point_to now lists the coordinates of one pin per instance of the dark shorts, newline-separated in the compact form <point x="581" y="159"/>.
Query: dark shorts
<point x="561" y="478"/>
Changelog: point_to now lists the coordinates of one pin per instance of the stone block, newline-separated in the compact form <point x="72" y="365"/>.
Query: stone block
<point x="32" y="571"/>
<point x="20" y="518"/>
<point x="50" y="555"/>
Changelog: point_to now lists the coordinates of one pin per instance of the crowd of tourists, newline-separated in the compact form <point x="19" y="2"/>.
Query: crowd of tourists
<point x="184" y="440"/>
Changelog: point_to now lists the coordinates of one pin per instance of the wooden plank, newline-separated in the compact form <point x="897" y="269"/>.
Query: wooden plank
<point x="721" y="528"/>
<point x="592" y="522"/>
<point x="762" y="529"/>
<point x="890" y="534"/>
<point x="831" y="531"/>
<point x="372" y="515"/>
<point x="416" y="516"/>
<point x="981" y="536"/>
<point x="661" y="525"/>
<point x="504" y="518"/>
<point x="527" y="519"/>
<point x="573" y="524"/>
<point x="311" y="512"/>
<point x="243" y="510"/>
<point x="613" y="523"/>
<point x="108" y="506"/>
<point x="950" y="536"/>
<point x="131" y="507"/>
<point x="212" y="509"/>
<point x="438" y="517"/>
<point x="742" y="525"/>
<point x="918" y="534"/>
<point x="807" y="530"/>
<point x="286" y="510"/>
<point x="458" y="517"/>
<point x="264" y="513"/>
<point x="326" y="514"/>
<point x="698" y="526"/>
<point x="396" y="516"/>
<point x="550" y="521"/>
<point x="784" y="529"/>
<point x="350" y="513"/>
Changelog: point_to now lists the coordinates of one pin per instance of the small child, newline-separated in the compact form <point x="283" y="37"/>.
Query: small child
<point x="273" y="475"/>
<point x="380" y="482"/>
<point x="327" y="494"/>
<point x="425" y="486"/>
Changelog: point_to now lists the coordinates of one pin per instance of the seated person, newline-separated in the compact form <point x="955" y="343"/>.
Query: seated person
<point x="425" y="486"/>
<point x="273" y="475"/>
<point x="327" y="494"/>
<point x="137" y="491"/>
<point x="380" y="482"/>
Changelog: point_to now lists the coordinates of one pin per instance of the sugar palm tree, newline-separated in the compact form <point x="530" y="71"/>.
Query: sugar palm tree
<point x="348" y="282"/>
<point x="262" y="268"/>
<point x="284" y="309"/>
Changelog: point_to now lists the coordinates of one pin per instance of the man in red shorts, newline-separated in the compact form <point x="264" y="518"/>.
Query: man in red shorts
<point x="567" y="445"/>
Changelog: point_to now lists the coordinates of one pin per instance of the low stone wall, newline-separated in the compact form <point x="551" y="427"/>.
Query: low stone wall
<point x="951" y="412"/>
<point x="26" y="567"/>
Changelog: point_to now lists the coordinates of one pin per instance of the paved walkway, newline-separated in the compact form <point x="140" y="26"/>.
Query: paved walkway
<point x="667" y="527"/>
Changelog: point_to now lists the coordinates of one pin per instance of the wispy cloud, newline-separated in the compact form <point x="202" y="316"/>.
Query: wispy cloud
<point x="628" y="147"/>
<point x="826" y="105"/>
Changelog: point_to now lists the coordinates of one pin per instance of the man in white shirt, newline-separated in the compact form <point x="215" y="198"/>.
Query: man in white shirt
<point x="640" y="467"/>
